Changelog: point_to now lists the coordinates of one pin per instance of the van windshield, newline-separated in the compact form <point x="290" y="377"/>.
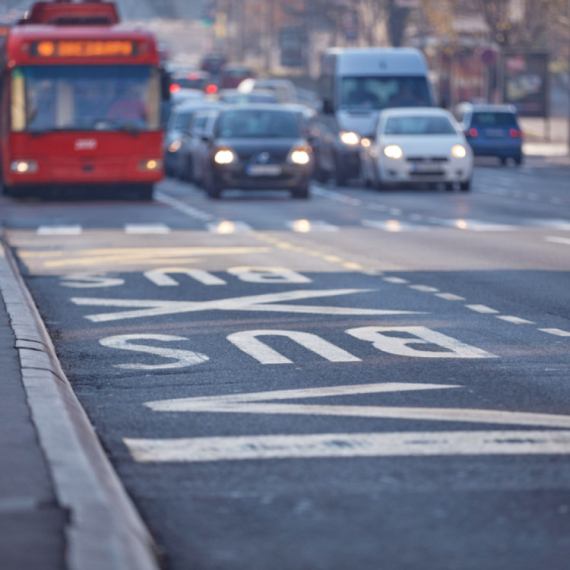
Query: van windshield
<point x="384" y="92"/>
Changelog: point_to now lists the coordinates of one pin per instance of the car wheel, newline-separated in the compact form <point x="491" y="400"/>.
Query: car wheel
<point x="466" y="186"/>
<point x="519" y="160"/>
<point x="301" y="192"/>
<point x="503" y="162"/>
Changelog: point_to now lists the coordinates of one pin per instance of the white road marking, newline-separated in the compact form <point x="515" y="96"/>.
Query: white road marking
<point x="454" y="348"/>
<point x="226" y="227"/>
<point x="90" y="281"/>
<point x="473" y="225"/>
<point x="60" y="230"/>
<point x="248" y="342"/>
<point x="306" y="226"/>
<point x="394" y="226"/>
<point x="556" y="332"/>
<point x="161" y="277"/>
<point x="562" y="225"/>
<point x="424" y="288"/>
<point x="483" y="309"/>
<point x="516" y="320"/>
<point x="183" y="358"/>
<point x="554" y="239"/>
<point x="261" y="403"/>
<point x="410" y="444"/>
<point x="396" y="280"/>
<point x="136" y="229"/>
<point x="274" y="275"/>
<point x="450" y="297"/>
<point x="266" y="303"/>
<point x="183" y="207"/>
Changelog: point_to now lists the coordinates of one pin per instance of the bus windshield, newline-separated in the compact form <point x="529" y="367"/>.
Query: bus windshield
<point x="91" y="97"/>
<point x="377" y="93"/>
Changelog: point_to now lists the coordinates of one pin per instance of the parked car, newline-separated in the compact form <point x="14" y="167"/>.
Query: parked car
<point x="492" y="130"/>
<point x="258" y="147"/>
<point x="422" y="145"/>
<point x="233" y="75"/>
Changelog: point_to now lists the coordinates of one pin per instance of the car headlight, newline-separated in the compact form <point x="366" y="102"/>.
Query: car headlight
<point x="349" y="138"/>
<point x="175" y="146"/>
<point x="459" y="151"/>
<point x="393" y="151"/>
<point x="151" y="165"/>
<point x="224" y="156"/>
<point x="299" y="156"/>
<point x="366" y="143"/>
<point x="24" y="166"/>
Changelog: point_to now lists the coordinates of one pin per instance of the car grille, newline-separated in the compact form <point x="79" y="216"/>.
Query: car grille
<point x="428" y="159"/>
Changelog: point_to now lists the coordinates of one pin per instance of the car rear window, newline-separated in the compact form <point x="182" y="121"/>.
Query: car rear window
<point x="494" y="119"/>
<point x="419" y="125"/>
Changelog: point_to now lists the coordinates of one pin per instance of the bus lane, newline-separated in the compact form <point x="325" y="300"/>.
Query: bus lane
<point x="246" y="392"/>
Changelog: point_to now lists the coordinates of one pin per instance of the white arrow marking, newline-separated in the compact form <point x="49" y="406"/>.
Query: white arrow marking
<point x="256" y="403"/>
<point x="250" y="303"/>
<point x="350" y="445"/>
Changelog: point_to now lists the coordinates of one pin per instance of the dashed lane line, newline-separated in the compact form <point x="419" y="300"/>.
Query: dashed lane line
<point x="142" y="229"/>
<point x="60" y="230"/>
<point x="450" y="297"/>
<point x="424" y="288"/>
<point x="483" y="309"/>
<point x="556" y="332"/>
<point x="515" y="320"/>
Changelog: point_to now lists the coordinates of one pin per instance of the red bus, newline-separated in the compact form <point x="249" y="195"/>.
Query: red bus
<point x="80" y="101"/>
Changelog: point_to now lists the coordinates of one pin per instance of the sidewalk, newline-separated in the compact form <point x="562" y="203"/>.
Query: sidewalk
<point x="62" y="506"/>
<point x="31" y="521"/>
<point x="546" y="139"/>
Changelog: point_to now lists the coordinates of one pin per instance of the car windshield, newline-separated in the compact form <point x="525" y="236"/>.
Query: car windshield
<point x="494" y="119"/>
<point x="257" y="123"/>
<point x="73" y="97"/>
<point x="384" y="92"/>
<point x="419" y="125"/>
<point x="180" y="121"/>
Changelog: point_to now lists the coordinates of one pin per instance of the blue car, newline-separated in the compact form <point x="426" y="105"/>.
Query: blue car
<point x="492" y="130"/>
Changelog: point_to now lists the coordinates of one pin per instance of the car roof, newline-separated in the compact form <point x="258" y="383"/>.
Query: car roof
<point x="259" y="107"/>
<point x="414" y="111"/>
<point x="195" y="105"/>
<point x="488" y="108"/>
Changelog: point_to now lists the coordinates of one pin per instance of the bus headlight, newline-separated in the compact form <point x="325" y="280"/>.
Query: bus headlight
<point x="349" y="138"/>
<point x="459" y="151"/>
<point x="24" y="166"/>
<point x="175" y="146"/>
<point x="151" y="165"/>
<point x="299" y="156"/>
<point x="224" y="156"/>
<point x="393" y="151"/>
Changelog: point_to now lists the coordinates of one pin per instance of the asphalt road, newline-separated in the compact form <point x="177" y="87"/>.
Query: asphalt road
<point x="363" y="380"/>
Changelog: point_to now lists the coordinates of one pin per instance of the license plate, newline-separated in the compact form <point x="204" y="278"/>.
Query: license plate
<point x="495" y="133"/>
<point x="427" y="168"/>
<point x="264" y="170"/>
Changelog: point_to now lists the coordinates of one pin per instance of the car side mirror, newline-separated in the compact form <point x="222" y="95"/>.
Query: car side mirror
<point x="328" y="107"/>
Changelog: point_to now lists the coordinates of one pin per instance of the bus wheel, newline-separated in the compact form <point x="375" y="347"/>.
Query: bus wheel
<point x="145" y="192"/>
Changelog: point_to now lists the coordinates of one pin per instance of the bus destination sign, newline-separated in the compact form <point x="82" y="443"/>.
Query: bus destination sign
<point x="84" y="48"/>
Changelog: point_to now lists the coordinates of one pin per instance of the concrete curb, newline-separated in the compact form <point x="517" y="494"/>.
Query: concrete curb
<point x="104" y="531"/>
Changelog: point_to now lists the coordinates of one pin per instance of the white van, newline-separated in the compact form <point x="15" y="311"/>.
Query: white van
<point x="356" y="84"/>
